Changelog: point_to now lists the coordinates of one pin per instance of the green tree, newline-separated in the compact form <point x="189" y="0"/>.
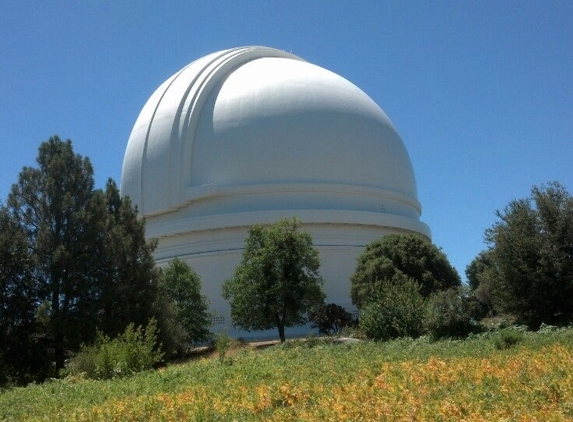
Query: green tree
<point x="395" y="310"/>
<point x="21" y="350"/>
<point x="531" y="248"/>
<point x="181" y="286"/>
<point x="476" y="269"/>
<point x="51" y="204"/>
<point x="277" y="281"/>
<point x="481" y="274"/>
<point x="126" y="276"/>
<point x="410" y="255"/>
<point x="89" y="264"/>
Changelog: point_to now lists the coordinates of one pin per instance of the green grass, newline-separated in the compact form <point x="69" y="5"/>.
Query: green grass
<point x="292" y="363"/>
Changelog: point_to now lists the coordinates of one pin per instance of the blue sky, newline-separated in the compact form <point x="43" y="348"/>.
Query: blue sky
<point x="481" y="92"/>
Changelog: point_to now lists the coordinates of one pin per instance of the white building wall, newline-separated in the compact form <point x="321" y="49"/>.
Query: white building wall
<point x="251" y="135"/>
<point x="214" y="255"/>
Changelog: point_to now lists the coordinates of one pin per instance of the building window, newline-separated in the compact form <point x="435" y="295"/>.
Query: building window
<point x="218" y="319"/>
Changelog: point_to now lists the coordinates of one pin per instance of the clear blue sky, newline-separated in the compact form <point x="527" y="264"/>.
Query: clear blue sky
<point x="481" y="92"/>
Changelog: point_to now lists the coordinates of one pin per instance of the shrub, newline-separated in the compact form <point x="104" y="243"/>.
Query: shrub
<point x="330" y="319"/>
<point x="222" y="344"/>
<point x="133" y="351"/>
<point x="507" y="339"/>
<point x="397" y="311"/>
<point x="449" y="314"/>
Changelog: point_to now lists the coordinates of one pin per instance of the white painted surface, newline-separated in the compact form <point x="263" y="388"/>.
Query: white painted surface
<point x="251" y="135"/>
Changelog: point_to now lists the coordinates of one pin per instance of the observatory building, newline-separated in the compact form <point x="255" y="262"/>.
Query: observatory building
<point x="251" y="135"/>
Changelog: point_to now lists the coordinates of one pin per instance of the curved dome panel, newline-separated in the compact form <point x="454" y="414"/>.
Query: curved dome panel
<point x="251" y="135"/>
<point x="153" y="160"/>
<point x="234" y="130"/>
<point x="274" y="115"/>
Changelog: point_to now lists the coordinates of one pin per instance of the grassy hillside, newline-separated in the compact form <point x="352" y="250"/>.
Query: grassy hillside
<point x="398" y="380"/>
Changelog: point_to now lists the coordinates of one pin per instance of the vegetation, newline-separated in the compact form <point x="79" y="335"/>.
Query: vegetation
<point x="22" y="356"/>
<point x="135" y="350"/>
<point x="528" y="270"/>
<point x="479" y="273"/>
<point x="451" y="313"/>
<point x="76" y="274"/>
<point x="396" y="380"/>
<point x="180" y="287"/>
<point x="409" y="255"/>
<point x="507" y="338"/>
<point x="73" y="259"/>
<point x="397" y="310"/>
<point x="476" y="269"/>
<point x="393" y="280"/>
<point x="222" y="344"/>
<point x="277" y="281"/>
<point x="330" y="319"/>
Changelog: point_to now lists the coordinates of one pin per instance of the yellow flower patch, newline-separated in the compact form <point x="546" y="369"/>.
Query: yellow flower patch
<point x="516" y="385"/>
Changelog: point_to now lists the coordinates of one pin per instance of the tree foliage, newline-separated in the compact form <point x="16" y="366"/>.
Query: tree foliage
<point x="181" y="287"/>
<point x="277" y="281"/>
<point x="78" y="260"/>
<point x="330" y="319"/>
<point x="125" y="272"/>
<point x="481" y="275"/>
<point x="409" y="255"/>
<point x="395" y="310"/>
<point x="531" y="251"/>
<point x="477" y="268"/>
<point x="51" y="205"/>
<point x="451" y="313"/>
<point x="21" y="348"/>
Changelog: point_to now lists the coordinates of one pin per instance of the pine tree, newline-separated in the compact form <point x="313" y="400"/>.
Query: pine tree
<point x="22" y="357"/>
<point x="82" y="262"/>
<point x="52" y="205"/>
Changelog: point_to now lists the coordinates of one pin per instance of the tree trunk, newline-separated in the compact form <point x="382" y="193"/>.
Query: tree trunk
<point x="59" y="352"/>
<point x="58" y="337"/>
<point x="57" y="320"/>
<point x="281" y="332"/>
<point x="281" y="327"/>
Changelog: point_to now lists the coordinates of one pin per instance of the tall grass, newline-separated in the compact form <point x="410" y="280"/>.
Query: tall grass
<point x="397" y="380"/>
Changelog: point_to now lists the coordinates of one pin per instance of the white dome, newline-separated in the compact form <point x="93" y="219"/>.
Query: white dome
<point x="254" y="134"/>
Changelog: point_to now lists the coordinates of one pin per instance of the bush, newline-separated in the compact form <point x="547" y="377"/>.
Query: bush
<point x="222" y="344"/>
<point x="507" y="339"/>
<point x="330" y="319"/>
<point x="397" y="311"/>
<point x="133" y="351"/>
<point x="449" y="314"/>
